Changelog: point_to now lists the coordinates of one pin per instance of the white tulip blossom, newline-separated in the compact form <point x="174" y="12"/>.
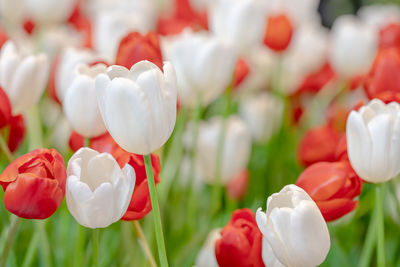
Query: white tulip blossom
<point x="206" y="256"/>
<point x="80" y="102"/>
<point x="353" y="46"/>
<point x="373" y="141"/>
<point x="236" y="147"/>
<point x="268" y="255"/>
<point x="294" y="228"/>
<point x="380" y="15"/>
<point x="98" y="191"/>
<point x="204" y="66"/>
<point x="138" y="105"/>
<point x="47" y="11"/>
<point x="22" y="76"/>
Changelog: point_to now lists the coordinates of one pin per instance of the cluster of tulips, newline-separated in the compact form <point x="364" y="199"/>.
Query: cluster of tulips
<point x="200" y="98"/>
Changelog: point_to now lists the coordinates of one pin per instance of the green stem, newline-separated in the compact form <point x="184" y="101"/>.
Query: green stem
<point x="95" y="245"/>
<point x="370" y="242"/>
<point x="156" y="211"/>
<point x="5" y="149"/>
<point x="12" y="231"/>
<point x="87" y="142"/>
<point x="33" y="245"/>
<point x="144" y="244"/>
<point x="380" y="231"/>
<point x="79" y="245"/>
<point x="46" y="252"/>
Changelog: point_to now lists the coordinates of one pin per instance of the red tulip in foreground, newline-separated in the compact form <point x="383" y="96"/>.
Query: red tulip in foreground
<point x="241" y="241"/>
<point x="34" y="184"/>
<point x="333" y="186"/>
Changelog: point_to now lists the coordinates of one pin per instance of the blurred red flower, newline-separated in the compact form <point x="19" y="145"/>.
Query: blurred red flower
<point x="390" y="36"/>
<point x="136" y="47"/>
<point x="318" y="144"/>
<point x="241" y="72"/>
<point x="17" y="132"/>
<point x="278" y="33"/>
<point x="34" y="184"/>
<point x="333" y="186"/>
<point x="5" y="109"/>
<point x="3" y="37"/>
<point x="140" y="204"/>
<point x="241" y="241"/>
<point x="82" y="24"/>
<point x="237" y="187"/>
<point x="315" y="81"/>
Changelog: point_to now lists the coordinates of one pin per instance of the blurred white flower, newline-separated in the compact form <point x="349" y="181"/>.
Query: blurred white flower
<point x="138" y="105"/>
<point x="80" y="102"/>
<point x="263" y="114"/>
<point x="12" y="11"/>
<point x="236" y="147"/>
<point x="353" y="46"/>
<point x="204" y="66"/>
<point x="49" y="11"/>
<point x="206" y="256"/>
<point x="294" y="228"/>
<point x="98" y="191"/>
<point x="241" y="22"/>
<point x="373" y="141"/>
<point x="380" y="15"/>
<point x="22" y="76"/>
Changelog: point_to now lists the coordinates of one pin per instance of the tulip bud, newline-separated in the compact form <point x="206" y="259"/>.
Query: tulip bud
<point x="263" y="115"/>
<point x="206" y="256"/>
<point x="333" y="186"/>
<point x="80" y="102"/>
<point x="98" y="191"/>
<point x="373" y="143"/>
<point x="22" y="77"/>
<point x="354" y="45"/>
<point x="279" y="32"/>
<point x="138" y="105"/>
<point x="240" y="242"/>
<point x="294" y="228"/>
<point x="241" y="23"/>
<point x="204" y="74"/>
<point x="236" y="148"/>
<point x="34" y="184"/>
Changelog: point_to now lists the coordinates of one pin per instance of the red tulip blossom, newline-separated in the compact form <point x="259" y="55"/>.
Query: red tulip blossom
<point x="3" y="37"/>
<point x="136" y="47"/>
<point x="5" y="109"/>
<point x="82" y="24"/>
<point x="333" y="186"/>
<point x="241" y="72"/>
<point x="34" y="184"/>
<point x="315" y="81"/>
<point x="390" y="36"/>
<point x="319" y="144"/>
<point x="17" y="132"/>
<point x="278" y="33"/>
<point x="241" y="241"/>
<point x="140" y="204"/>
<point x="237" y="187"/>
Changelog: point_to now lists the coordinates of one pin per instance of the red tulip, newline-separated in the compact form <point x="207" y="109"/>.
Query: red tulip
<point x="341" y="150"/>
<point x="34" y="184"/>
<point x="3" y="37"/>
<point x="242" y="70"/>
<point x="315" y="81"/>
<point x="390" y="36"/>
<point x="82" y="24"/>
<point x="319" y="144"/>
<point x="136" y="47"/>
<point x="333" y="186"/>
<point x="241" y="241"/>
<point x="17" y="132"/>
<point x="140" y="204"/>
<point x="237" y="187"/>
<point x="5" y="109"/>
<point x="76" y="141"/>
<point x="279" y="32"/>
<point x="385" y="73"/>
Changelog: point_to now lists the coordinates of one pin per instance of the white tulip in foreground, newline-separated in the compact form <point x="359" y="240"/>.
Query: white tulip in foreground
<point x="22" y="76"/>
<point x="353" y="47"/>
<point x="373" y="141"/>
<point x="98" y="192"/>
<point x="80" y="102"/>
<point x="205" y="73"/>
<point x="263" y="115"/>
<point x="206" y="256"/>
<point x="138" y="105"/>
<point x="236" y="148"/>
<point x="294" y="227"/>
<point x="268" y="255"/>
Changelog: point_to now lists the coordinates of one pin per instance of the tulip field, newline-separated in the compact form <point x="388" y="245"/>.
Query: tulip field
<point x="200" y="133"/>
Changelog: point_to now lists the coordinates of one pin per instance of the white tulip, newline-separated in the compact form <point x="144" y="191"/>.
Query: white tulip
<point x="241" y="22"/>
<point x="263" y="115"/>
<point x="22" y="77"/>
<point x="268" y="255"/>
<point x="380" y="15"/>
<point x="373" y="141"/>
<point x="49" y="10"/>
<point x="138" y="105"/>
<point x="353" y="46"/>
<point x="206" y="256"/>
<point x="236" y="148"/>
<point x="294" y="227"/>
<point x="65" y="69"/>
<point x="204" y="66"/>
<point x="98" y="191"/>
<point x="80" y="102"/>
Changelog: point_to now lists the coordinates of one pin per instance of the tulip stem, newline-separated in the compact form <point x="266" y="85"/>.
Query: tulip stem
<point x="95" y="245"/>
<point x="370" y="242"/>
<point x="156" y="211"/>
<point x="5" y="149"/>
<point x="87" y="142"/>
<point x="380" y="231"/>
<point x="12" y="231"/>
<point x="144" y="244"/>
